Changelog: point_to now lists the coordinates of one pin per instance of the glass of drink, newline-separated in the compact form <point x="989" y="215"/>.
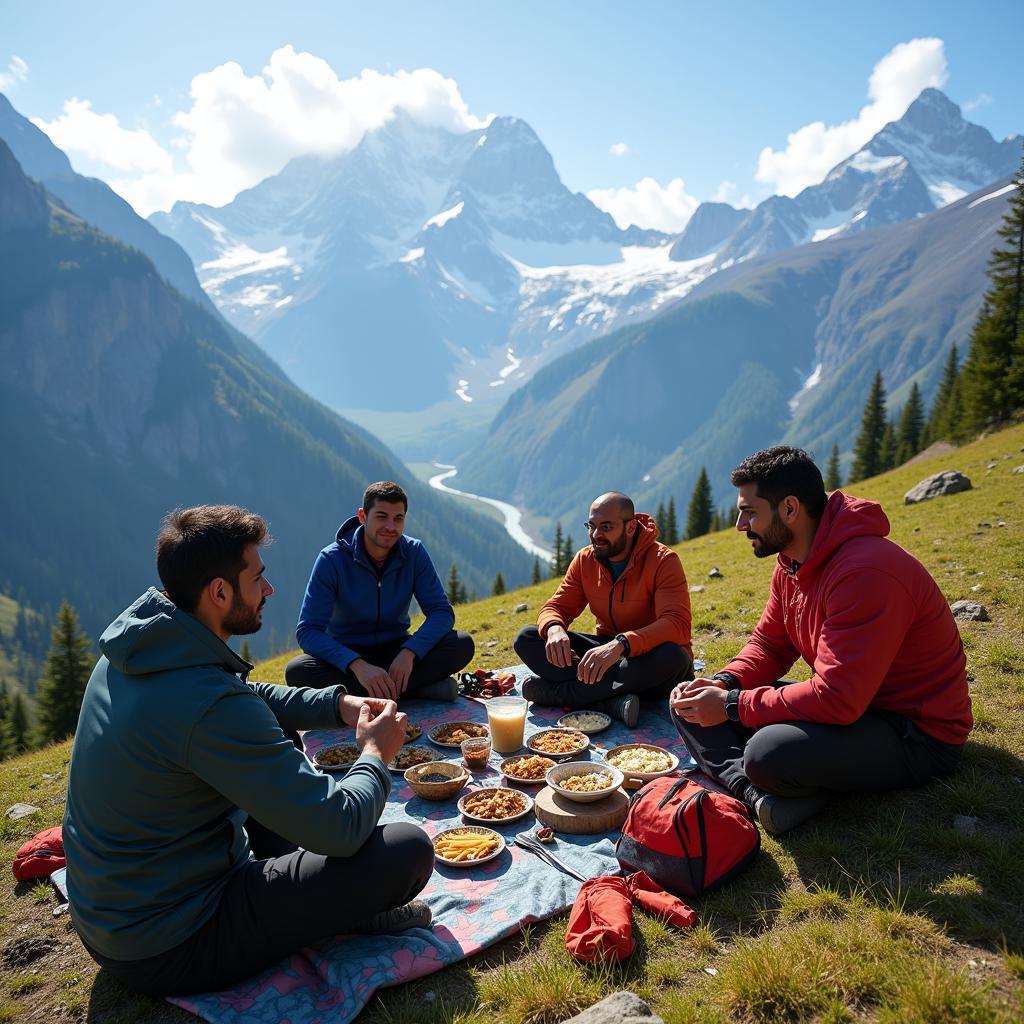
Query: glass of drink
<point x="506" y="717"/>
<point x="475" y="752"/>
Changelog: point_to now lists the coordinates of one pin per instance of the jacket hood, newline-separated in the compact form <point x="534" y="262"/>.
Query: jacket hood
<point x="646" y="536"/>
<point x="350" y="535"/>
<point x="844" y="518"/>
<point x="154" y="635"/>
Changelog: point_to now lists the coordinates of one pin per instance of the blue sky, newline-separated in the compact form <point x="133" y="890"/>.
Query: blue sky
<point x="673" y="103"/>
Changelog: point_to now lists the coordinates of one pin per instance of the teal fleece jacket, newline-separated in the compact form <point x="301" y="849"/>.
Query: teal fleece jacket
<point x="174" y="749"/>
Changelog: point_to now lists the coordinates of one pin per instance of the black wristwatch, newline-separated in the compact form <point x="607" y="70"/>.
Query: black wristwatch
<point x="625" y="644"/>
<point x="732" y="705"/>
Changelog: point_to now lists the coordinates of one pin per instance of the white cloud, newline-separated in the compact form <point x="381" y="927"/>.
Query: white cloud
<point x="17" y="71"/>
<point x="618" y="149"/>
<point x="647" y="204"/>
<point x="813" y="150"/>
<point x="981" y="100"/>
<point x="242" y="128"/>
<point x="726" y="193"/>
<point x="101" y="139"/>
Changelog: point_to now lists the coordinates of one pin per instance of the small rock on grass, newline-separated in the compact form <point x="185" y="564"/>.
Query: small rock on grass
<point x="25" y="951"/>
<point x="697" y="589"/>
<point x="715" y="573"/>
<point x="949" y="481"/>
<point x="966" y="823"/>
<point x="521" y="607"/>
<point x="18" y="811"/>
<point x="618" y="1008"/>
<point x="1018" y="469"/>
<point x="969" y="611"/>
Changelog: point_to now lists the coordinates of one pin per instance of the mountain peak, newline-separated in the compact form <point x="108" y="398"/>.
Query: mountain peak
<point x="933" y="112"/>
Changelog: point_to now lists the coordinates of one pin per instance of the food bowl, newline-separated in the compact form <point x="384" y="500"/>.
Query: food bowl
<point x="518" y="803"/>
<point x="337" y="758"/>
<point x="547" y="736"/>
<point x="410" y="757"/>
<point x="451" y="734"/>
<point x="507" y="768"/>
<point x="455" y="778"/>
<point x="495" y="844"/>
<point x="635" y="777"/>
<point x="558" y="775"/>
<point x="586" y="721"/>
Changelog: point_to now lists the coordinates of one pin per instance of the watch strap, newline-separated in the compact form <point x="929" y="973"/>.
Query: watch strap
<point x="625" y="644"/>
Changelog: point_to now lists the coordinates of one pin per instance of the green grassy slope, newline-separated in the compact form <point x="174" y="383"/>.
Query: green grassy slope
<point x="880" y="910"/>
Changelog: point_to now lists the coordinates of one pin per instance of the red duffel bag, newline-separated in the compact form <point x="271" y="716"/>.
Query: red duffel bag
<point x="40" y="856"/>
<point x="689" y="839"/>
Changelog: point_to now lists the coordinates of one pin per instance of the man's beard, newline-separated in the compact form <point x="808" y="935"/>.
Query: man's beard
<point x="612" y="550"/>
<point x="773" y="540"/>
<point x="241" y="619"/>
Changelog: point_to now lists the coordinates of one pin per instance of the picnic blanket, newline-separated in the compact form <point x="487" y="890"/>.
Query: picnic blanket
<point x="472" y="907"/>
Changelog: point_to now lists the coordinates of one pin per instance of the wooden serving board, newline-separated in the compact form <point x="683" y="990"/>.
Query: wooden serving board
<point x="565" y="815"/>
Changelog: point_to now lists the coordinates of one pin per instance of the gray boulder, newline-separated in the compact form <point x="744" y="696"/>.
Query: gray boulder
<point x="949" y="481"/>
<point x="969" y="611"/>
<point x="618" y="1008"/>
<point x="18" y="811"/>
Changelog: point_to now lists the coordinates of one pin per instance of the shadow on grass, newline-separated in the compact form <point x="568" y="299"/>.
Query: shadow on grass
<point x="906" y="849"/>
<point x="110" y="1002"/>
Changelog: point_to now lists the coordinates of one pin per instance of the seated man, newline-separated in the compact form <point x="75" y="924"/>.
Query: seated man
<point x="172" y="889"/>
<point x="887" y="705"/>
<point x="354" y="622"/>
<point x="637" y="591"/>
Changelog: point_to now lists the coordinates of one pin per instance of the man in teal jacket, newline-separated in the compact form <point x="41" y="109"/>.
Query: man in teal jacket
<point x="354" y="622"/>
<point x="202" y="846"/>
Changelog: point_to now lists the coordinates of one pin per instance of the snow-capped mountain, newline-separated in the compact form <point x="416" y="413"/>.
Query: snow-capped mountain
<point x="428" y="267"/>
<point x="927" y="159"/>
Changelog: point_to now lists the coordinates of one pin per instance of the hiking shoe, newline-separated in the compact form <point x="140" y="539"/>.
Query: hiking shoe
<point x="779" y="814"/>
<point x="441" y="689"/>
<point x="414" y="914"/>
<point x="625" y="709"/>
<point x="540" y="691"/>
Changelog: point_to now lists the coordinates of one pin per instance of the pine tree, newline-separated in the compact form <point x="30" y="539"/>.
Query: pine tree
<point x="659" y="520"/>
<point x="567" y="553"/>
<point x="887" y="452"/>
<point x="937" y="428"/>
<point x="672" y="523"/>
<point x="911" y="426"/>
<point x="5" y="709"/>
<point x="67" y="671"/>
<point x="456" y="591"/>
<point x="833" y="474"/>
<point x="498" y="586"/>
<point x="698" y="516"/>
<point x="17" y="729"/>
<point x="556" y="554"/>
<point x="245" y="653"/>
<point x="535" y="575"/>
<point x="867" y="450"/>
<point x="993" y="374"/>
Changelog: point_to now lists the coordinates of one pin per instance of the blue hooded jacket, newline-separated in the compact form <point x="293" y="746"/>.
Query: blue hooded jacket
<point x="348" y="604"/>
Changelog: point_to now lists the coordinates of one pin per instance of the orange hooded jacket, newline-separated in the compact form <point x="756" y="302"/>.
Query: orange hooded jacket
<point x="649" y="603"/>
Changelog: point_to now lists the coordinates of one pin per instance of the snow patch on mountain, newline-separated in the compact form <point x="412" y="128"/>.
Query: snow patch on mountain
<point x="992" y="195"/>
<point x="439" y="220"/>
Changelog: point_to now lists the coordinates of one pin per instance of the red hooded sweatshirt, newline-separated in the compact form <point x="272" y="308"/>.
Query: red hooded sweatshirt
<point x="870" y="621"/>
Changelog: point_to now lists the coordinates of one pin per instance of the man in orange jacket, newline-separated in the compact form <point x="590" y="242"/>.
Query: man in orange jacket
<point x="637" y="592"/>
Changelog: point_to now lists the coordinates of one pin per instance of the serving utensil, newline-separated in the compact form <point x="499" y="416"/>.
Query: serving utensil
<point x="528" y="841"/>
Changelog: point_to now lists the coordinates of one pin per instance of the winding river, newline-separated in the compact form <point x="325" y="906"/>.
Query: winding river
<point x="513" y="517"/>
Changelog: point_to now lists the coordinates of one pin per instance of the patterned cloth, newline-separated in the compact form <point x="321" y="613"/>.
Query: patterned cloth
<point x="472" y="907"/>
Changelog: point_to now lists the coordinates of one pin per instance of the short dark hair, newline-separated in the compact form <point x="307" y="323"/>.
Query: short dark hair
<point x="196" y="545"/>
<point x="384" y="490"/>
<point x="783" y="470"/>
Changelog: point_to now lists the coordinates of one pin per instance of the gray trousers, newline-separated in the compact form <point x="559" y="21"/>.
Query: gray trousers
<point x="272" y="907"/>
<point x="880" y="751"/>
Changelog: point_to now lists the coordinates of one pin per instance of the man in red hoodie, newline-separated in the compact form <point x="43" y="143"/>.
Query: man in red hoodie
<point x="637" y="591"/>
<point x="887" y="704"/>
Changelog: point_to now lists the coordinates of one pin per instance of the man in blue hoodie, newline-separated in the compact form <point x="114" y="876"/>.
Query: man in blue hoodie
<point x="354" y="622"/>
<point x="202" y="846"/>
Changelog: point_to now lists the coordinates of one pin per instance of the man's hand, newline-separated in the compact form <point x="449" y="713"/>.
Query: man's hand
<point x="349" y="704"/>
<point x="374" y="680"/>
<point x="701" y="704"/>
<point x="381" y="734"/>
<point x="400" y="669"/>
<point x="598" y="660"/>
<point x="688" y="687"/>
<point x="557" y="648"/>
